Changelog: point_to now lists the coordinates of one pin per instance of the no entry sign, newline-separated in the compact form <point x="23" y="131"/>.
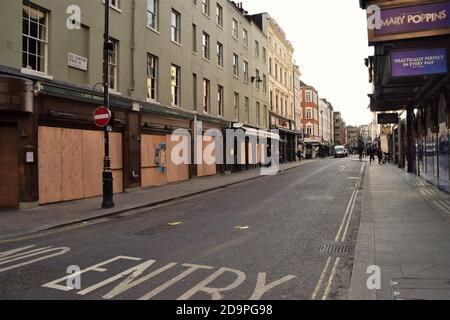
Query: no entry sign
<point x="102" y="116"/>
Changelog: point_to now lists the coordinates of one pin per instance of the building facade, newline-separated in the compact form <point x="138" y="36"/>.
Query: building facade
<point x="353" y="138"/>
<point x="340" y="130"/>
<point x="172" y="64"/>
<point x="281" y="89"/>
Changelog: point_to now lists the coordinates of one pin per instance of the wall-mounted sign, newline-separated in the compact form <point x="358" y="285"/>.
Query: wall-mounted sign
<point x="419" y="62"/>
<point x="388" y="118"/>
<point x="77" y="62"/>
<point x="412" y="21"/>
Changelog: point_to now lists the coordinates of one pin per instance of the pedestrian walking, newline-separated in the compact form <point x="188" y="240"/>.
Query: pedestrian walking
<point x="380" y="156"/>
<point x="371" y="153"/>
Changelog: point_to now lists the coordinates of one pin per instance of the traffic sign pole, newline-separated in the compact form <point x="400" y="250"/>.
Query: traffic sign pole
<point x="107" y="172"/>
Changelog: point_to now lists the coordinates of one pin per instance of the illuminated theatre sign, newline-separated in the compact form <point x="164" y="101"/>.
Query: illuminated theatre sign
<point x="412" y="21"/>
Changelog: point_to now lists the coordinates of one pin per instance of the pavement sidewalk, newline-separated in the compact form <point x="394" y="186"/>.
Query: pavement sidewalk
<point x="18" y="223"/>
<point x="404" y="231"/>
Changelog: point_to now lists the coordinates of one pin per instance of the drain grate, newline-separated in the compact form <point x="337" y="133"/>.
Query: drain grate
<point x="340" y="249"/>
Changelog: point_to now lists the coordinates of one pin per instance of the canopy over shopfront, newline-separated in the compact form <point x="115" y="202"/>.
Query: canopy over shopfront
<point x="409" y="72"/>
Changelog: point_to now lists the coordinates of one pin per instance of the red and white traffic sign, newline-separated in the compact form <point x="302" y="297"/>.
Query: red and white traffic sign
<point x="102" y="116"/>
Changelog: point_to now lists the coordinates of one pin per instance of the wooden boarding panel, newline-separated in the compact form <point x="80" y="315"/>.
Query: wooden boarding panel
<point x="115" y="150"/>
<point x="151" y="176"/>
<point x="50" y="165"/>
<point x="117" y="181"/>
<point x="72" y="164"/>
<point x="205" y="169"/>
<point x="176" y="173"/>
<point x="93" y="154"/>
<point x="9" y="168"/>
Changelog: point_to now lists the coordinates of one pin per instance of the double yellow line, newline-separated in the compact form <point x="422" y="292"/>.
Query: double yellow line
<point x="340" y="237"/>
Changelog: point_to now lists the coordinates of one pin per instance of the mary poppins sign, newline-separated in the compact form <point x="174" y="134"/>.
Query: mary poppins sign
<point x="419" y="62"/>
<point x="410" y="21"/>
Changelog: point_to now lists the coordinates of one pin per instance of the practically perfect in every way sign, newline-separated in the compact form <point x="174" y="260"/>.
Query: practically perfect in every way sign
<point x="419" y="62"/>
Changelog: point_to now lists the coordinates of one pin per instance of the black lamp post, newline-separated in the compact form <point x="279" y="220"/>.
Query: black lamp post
<point x="107" y="172"/>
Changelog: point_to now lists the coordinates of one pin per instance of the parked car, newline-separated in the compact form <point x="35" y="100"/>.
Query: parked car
<point x="339" y="152"/>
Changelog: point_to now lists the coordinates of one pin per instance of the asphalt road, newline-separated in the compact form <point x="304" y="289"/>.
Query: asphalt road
<point x="261" y="239"/>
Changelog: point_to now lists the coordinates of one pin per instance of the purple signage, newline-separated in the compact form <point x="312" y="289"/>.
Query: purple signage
<point x="419" y="62"/>
<point x="415" y="18"/>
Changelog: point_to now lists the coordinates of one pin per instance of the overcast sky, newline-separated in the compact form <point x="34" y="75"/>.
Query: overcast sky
<point x="330" y="39"/>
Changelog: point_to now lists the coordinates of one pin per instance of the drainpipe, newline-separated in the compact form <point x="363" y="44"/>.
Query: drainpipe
<point x="133" y="46"/>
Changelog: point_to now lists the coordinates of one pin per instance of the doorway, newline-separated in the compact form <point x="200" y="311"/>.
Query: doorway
<point x="9" y="167"/>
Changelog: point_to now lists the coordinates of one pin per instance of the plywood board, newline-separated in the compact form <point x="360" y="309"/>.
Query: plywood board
<point x="50" y="165"/>
<point x="205" y="169"/>
<point x="115" y="150"/>
<point x="92" y="163"/>
<point x="151" y="176"/>
<point x="176" y="172"/>
<point x="117" y="181"/>
<point x="72" y="164"/>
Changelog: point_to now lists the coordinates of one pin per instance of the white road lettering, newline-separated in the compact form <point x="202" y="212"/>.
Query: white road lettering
<point x="128" y="283"/>
<point x="192" y="269"/>
<point x="262" y="287"/>
<point x="216" y="293"/>
<point x="133" y="272"/>
<point x="96" y="268"/>
<point x="11" y="252"/>
<point x="14" y="256"/>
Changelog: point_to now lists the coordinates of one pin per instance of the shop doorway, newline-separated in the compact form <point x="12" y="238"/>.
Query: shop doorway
<point x="9" y="167"/>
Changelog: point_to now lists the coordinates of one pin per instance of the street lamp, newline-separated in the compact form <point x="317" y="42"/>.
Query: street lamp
<point x="107" y="172"/>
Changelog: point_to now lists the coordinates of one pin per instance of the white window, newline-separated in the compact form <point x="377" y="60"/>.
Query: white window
<point x="205" y="7"/>
<point x="114" y="4"/>
<point x="309" y="130"/>
<point x="152" y="14"/>
<point x="264" y="84"/>
<point x="236" y="106"/>
<point x="34" y="38"/>
<point x="112" y="63"/>
<point x="205" y="46"/>
<point x="220" y="102"/>
<point x="308" y="96"/>
<point x="219" y="15"/>
<point x="219" y="52"/>
<point x="235" y="65"/>
<point x="152" y="77"/>
<point x="245" y="37"/>
<point x="309" y="114"/>
<point x="246" y="76"/>
<point x="264" y="55"/>
<point x="258" y="79"/>
<point x="256" y="49"/>
<point x="206" y="94"/>
<point x="175" y="26"/>
<point x="175" y="84"/>
<point x="235" y="29"/>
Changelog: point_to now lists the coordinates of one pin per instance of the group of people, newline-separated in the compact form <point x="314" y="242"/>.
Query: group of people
<point x="372" y="152"/>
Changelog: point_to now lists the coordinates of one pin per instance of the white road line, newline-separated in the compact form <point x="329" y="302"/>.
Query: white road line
<point x="344" y="224"/>
<point x="350" y="217"/>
